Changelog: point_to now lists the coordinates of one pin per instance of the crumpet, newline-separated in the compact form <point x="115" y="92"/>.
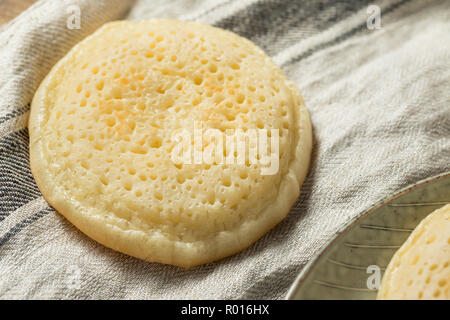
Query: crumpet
<point x="420" y="269"/>
<point x="102" y="130"/>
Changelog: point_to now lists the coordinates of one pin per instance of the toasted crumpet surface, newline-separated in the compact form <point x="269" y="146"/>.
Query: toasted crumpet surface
<point x="420" y="269"/>
<point x="101" y="129"/>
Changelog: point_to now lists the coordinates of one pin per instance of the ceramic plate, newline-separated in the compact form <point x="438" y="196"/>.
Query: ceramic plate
<point x="340" y="269"/>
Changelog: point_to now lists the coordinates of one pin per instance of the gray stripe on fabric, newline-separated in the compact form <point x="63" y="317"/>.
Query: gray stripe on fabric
<point x="17" y="185"/>
<point x="15" y="113"/>
<point x="23" y="224"/>
<point x="303" y="18"/>
<point x="21" y="214"/>
<point x="342" y="37"/>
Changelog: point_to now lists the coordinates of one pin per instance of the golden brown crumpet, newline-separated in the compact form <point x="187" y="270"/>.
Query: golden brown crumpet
<point x="101" y="136"/>
<point x="420" y="269"/>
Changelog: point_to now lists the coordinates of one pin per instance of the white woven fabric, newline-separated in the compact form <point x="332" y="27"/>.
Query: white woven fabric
<point x="380" y="107"/>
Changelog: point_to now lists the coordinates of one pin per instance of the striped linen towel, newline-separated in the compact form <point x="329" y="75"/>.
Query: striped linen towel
<point x="379" y="98"/>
